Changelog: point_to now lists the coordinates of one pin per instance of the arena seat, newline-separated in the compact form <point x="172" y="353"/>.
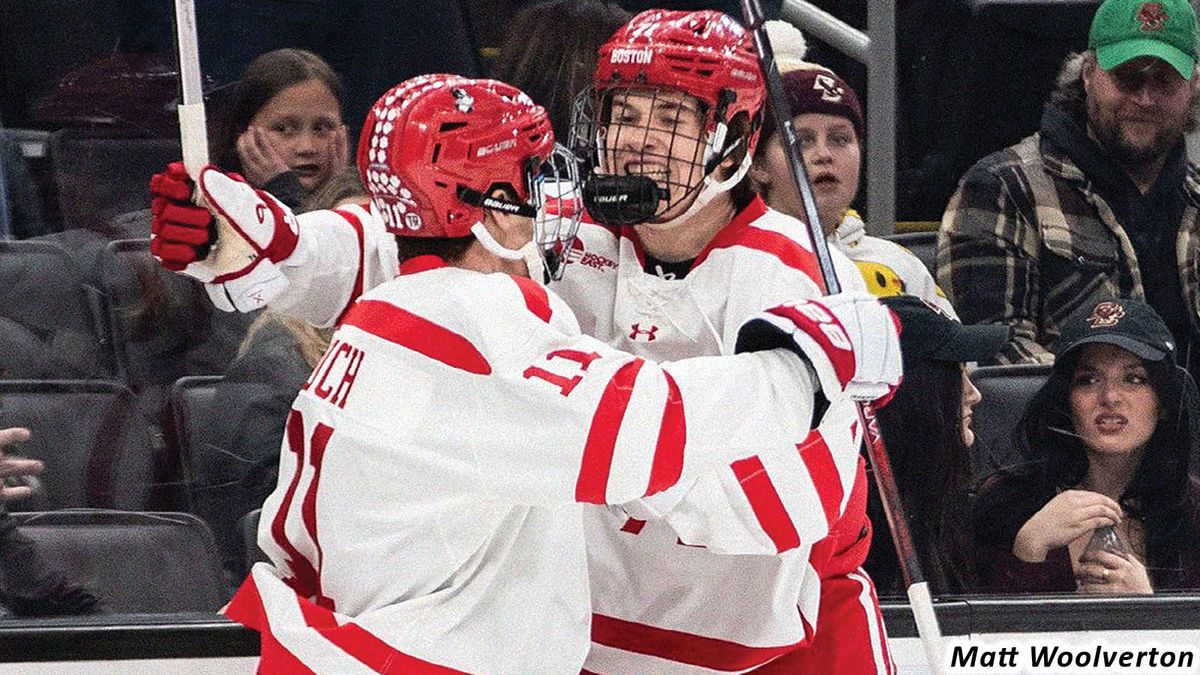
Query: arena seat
<point x="136" y="562"/>
<point x="191" y="402"/>
<point x="101" y="174"/>
<point x="1006" y="391"/>
<point x="52" y="325"/>
<point x="98" y="451"/>
<point x="248" y="526"/>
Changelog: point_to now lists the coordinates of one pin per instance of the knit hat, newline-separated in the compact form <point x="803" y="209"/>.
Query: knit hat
<point x="789" y="45"/>
<point x="1126" y="29"/>
<point x="816" y="89"/>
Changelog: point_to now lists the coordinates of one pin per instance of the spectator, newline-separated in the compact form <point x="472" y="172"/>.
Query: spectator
<point x="829" y="123"/>
<point x="927" y="429"/>
<point x="28" y="585"/>
<point x="1108" y="441"/>
<point x="281" y="126"/>
<point x="551" y="50"/>
<point x="1100" y="203"/>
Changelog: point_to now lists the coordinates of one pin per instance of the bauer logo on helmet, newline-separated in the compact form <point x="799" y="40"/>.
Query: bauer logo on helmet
<point x="496" y="147"/>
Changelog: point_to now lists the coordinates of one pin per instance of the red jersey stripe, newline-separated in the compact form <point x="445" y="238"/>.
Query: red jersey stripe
<point x="304" y="579"/>
<point x="740" y="232"/>
<point x="355" y="223"/>
<point x="815" y="453"/>
<point x="696" y="650"/>
<point x="596" y="465"/>
<point x="765" y="502"/>
<point x="672" y="437"/>
<point x="421" y="335"/>
<point x="535" y="296"/>
<point x="360" y="643"/>
<point x="308" y="507"/>
<point x="633" y="526"/>
<point x="246" y="608"/>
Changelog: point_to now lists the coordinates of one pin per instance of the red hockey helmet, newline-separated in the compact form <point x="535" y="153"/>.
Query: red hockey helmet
<point x="433" y="148"/>
<point x="705" y="54"/>
<point x="656" y="57"/>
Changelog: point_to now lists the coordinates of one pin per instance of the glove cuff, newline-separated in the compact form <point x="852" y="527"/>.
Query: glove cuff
<point x="249" y="290"/>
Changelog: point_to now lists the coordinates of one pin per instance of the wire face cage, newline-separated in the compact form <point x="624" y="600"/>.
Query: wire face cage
<point x="645" y="152"/>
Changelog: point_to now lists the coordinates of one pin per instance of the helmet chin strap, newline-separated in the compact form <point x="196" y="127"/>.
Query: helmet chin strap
<point x="528" y="253"/>
<point x="711" y="189"/>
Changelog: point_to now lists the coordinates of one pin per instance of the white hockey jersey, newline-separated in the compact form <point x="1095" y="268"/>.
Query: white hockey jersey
<point x="665" y="598"/>
<point x="887" y="267"/>
<point x="426" y="517"/>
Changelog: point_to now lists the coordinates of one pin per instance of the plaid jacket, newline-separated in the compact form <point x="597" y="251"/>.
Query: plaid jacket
<point x="1026" y="241"/>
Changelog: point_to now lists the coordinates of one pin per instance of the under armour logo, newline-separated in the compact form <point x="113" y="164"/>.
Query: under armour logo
<point x="1152" y="15"/>
<point x="830" y="91"/>
<point x="639" y="331"/>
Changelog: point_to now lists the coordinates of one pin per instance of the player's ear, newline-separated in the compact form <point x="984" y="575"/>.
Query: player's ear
<point x="759" y="176"/>
<point x="509" y="229"/>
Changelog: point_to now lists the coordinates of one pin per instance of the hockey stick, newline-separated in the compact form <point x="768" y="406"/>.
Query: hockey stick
<point x="229" y="248"/>
<point x="918" y="589"/>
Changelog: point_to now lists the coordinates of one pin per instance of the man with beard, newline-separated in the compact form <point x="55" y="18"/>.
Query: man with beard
<point x="1101" y="202"/>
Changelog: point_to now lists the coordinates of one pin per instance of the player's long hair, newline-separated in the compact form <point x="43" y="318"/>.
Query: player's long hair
<point x="922" y="427"/>
<point x="1161" y="493"/>
<point x="265" y="77"/>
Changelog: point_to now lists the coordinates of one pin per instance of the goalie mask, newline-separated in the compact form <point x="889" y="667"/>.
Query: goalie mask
<point x="435" y="149"/>
<point x="654" y="128"/>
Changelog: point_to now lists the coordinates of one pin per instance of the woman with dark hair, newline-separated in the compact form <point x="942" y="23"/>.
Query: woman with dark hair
<point x="1109" y="441"/>
<point x="927" y="430"/>
<point x="281" y="126"/>
<point x="551" y="52"/>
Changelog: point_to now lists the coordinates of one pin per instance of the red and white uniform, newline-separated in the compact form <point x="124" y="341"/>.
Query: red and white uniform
<point x="451" y="430"/>
<point x="665" y="598"/>
<point x="661" y="604"/>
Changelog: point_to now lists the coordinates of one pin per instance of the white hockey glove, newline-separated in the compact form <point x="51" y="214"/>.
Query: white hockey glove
<point x="233" y="250"/>
<point x="850" y="339"/>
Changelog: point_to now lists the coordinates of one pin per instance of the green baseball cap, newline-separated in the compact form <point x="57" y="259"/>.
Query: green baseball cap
<point x="1126" y="29"/>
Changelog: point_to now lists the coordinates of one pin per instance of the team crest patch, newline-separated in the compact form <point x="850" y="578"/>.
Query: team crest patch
<point x="462" y="100"/>
<point x="1152" y="15"/>
<point x="830" y="91"/>
<point x="1106" y="314"/>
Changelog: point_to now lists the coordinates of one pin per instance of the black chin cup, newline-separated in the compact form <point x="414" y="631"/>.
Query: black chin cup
<point x="621" y="200"/>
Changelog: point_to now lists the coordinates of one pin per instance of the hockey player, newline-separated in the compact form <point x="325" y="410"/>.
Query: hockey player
<point x="670" y="130"/>
<point x="424" y="519"/>
<point x="688" y="255"/>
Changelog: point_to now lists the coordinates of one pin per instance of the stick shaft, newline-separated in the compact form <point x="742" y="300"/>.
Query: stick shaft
<point x="876" y="450"/>
<point x="193" y="133"/>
